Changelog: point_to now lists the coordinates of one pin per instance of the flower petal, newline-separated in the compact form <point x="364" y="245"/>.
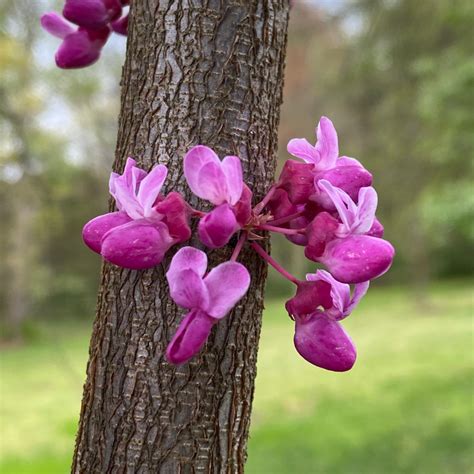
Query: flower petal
<point x="232" y="168"/>
<point x="56" y="25"/>
<point x="190" y="337"/>
<point x="184" y="259"/>
<point x="297" y="179"/>
<point x="150" y="188"/>
<point x="324" y="343"/>
<point x="327" y="145"/>
<point x="120" y="26"/>
<point x="136" y="245"/>
<point x="301" y="148"/>
<point x="217" y="227"/>
<point x="81" y="48"/>
<point x="340" y="292"/>
<point x="360" y="289"/>
<point x="309" y="297"/>
<point x="127" y="199"/>
<point x="358" y="258"/>
<point x="203" y="172"/>
<point x="187" y="289"/>
<point x="366" y="207"/>
<point x="95" y="229"/>
<point x="226" y="283"/>
<point x="175" y="211"/>
<point x="92" y="14"/>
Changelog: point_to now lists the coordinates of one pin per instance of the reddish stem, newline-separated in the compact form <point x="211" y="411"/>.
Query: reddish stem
<point x="238" y="247"/>
<point x="196" y="213"/>
<point x="259" y="207"/>
<point x="280" y="230"/>
<point x="273" y="263"/>
<point x="284" y="220"/>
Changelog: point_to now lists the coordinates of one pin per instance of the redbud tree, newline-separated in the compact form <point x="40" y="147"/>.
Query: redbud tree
<point x="185" y="245"/>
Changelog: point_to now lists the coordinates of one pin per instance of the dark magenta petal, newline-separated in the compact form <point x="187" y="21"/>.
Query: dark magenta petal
<point x="136" y="245"/>
<point x="280" y="205"/>
<point x="81" y="49"/>
<point x="92" y="14"/>
<point x="120" y="26"/>
<point x="95" y="229"/>
<point x="320" y="232"/>
<point x="348" y="178"/>
<point x="310" y="295"/>
<point x="216" y="228"/>
<point x="190" y="337"/>
<point x="243" y="208"/>
<point x="176" y="212"/>
<point x="358" y="258"/>
<point x="377" y="229"/>
<point x="297" y="179"/>
<point x="324" y="343"/>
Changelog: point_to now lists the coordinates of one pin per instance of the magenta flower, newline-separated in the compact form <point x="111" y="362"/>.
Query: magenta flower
<point x="146" y="225"/>
<point x="120" y="26"/>
<point x="92" y="14"/>
<point x="80" y="47"/>
<point x="322" y="161"/>
<point x="221" y="183"/>
<point x="345" y="247"/>
<point x="319" y="337"/>
<point x="207" y="297"/>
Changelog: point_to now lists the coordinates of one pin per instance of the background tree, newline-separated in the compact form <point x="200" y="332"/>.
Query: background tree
<point x="208" y="73"/>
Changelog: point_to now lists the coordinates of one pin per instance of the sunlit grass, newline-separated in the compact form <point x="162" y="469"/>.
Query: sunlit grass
<point x="406" y="407"/>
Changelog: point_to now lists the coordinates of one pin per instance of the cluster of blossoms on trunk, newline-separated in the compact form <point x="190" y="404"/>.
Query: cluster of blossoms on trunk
<point x="84" y="28"/>
<point x="325" y="203"/>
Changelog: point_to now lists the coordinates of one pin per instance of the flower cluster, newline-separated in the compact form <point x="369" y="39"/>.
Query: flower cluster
<point x="84" y="29"/>
<point x="325" y="203"/>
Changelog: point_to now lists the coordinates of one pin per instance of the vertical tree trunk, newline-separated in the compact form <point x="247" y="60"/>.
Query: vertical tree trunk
<point x="196" y="72"/>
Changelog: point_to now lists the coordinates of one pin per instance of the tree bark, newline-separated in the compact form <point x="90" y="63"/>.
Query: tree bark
<point x="196" y="72"/>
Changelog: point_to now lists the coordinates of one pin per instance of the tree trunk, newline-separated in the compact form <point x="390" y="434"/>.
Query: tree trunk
<point x="197" y="72"/>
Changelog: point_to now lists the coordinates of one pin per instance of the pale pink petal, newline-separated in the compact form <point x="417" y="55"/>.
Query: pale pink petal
<point x="327" y="144"/>
<point x="340" y="292"/>
<point x="345" y="216"/>
<point x="190" y="337"/>
<point x="95" y="229"/>
<point x="366" y="207"/>
<point x="184" y="259"/>
<point x="187" y="289"/>
<point x="360" y="289"/>
<point x="203" y="172"/>
<point x="348" y="161"/>
<point x="232" y="168"/>
<point x="56" y="25"/>
<point x="150" y="188"/>
<point x="136" y="245"/>
<point x="127" y="199"/>
<point x="127" y="174"/>
<point x="324" y="342"/>
<point x="301" y="148"/>
<point x="226" y="283"/>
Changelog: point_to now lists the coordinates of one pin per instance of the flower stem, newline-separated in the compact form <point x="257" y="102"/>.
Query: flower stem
<point x="196" y="213"/>
<point x="284" y="220"/>
<point x="280" y="230"/>
<point x="238" y="247"/>
<point x="259" y="207"/>
<point x="273" y="263"/>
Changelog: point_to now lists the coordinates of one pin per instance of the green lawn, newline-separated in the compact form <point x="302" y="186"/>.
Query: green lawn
<point x="406" y="407"/>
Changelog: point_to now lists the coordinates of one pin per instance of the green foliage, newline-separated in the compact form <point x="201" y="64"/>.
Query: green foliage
<point x="404" y="408"/>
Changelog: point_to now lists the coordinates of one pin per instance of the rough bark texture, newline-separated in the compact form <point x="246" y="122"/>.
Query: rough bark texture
<point x="206" y="72"/>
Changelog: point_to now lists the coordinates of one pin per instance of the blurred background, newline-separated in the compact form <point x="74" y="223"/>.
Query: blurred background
<point x="397" y="79"/>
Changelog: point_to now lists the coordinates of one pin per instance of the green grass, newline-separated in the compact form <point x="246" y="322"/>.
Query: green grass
<point x="406" y="407"/>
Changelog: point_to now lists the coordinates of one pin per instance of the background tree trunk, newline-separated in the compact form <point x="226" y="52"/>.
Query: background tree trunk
<point x="199" y="72"/>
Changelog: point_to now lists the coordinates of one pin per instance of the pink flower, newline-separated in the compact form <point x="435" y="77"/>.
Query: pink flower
<point x="120" y="26"/>
<point x="146" y="225"/>
<point x="92" y="14"/>
<point x="318" y="306"/>
<point x="80" y="47"/>
<point x="207" y="297"/>
<point x="221" y="183"/>
<point x="322" y="162"/>
<point x="348" y="248"/>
